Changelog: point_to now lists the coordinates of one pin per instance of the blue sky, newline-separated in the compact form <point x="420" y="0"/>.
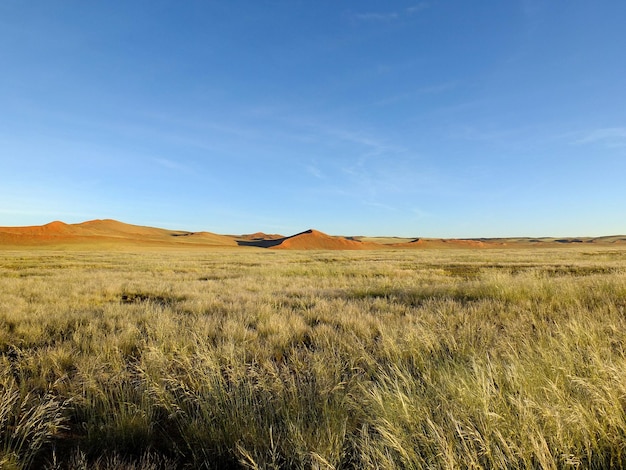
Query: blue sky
<point x="418" y="118"/>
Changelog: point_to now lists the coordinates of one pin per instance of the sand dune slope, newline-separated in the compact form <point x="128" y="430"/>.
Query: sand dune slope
<point x="54" y="231"/>
<point x="261" y="236"/>
<point x="106" y="231"/>
<point x="110" y="233"/>
<point x="315" y="240"/>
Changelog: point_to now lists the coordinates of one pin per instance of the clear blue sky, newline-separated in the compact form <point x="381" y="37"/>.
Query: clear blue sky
<point x="411" y="118"/>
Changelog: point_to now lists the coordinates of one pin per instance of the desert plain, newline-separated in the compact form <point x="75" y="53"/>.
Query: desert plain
<point x="128" y="347"/>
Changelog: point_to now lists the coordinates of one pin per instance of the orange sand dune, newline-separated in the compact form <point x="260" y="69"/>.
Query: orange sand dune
<point x="314" y="240"/>
<point x="53" y="231"/>
<point x="206" y="238"/>
<point x="106" y="232"/>
<point x="262" y="236"/>
<point x="111" y="227"/>
<point x="109" y="233"/>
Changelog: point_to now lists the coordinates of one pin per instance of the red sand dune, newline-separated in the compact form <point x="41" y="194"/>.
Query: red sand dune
<point x="208" y="238"/>
<point x="106" y="231"/>
<point x="109" y="232"/>
<point x="261" y="236"/>
<point x="53" y="231"/>
<point x="314" y="240"/>
<point x="111" y="227"/>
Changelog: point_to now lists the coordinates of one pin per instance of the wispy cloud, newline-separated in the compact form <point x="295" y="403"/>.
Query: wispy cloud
<point x="392" y="15"/>
<point x="172" y="165"/>
<point x="379" y="205"/>
<point x="396" y="176"/>
<point x="420" y="213"/>
<point x="372" y="146"/>
<point x="315" y="171"/>
<point x="421" y="6"/>
<point x="477" y="134"/>
<point x="369" y="165"/>
<point x="608" y="136"/>
<point x="422" y="91"/>
<point x="388" y="16"/>
<point x="492" y="134"/>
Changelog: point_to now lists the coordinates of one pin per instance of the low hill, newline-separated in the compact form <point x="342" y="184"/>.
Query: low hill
<point x="110" y="233"/>
<point x="261" y="236"/>
<point x="315" y="240"/>
<point x="445" y="243"/>
<point x="307" y="240"/>
<point x="106" y="232"/>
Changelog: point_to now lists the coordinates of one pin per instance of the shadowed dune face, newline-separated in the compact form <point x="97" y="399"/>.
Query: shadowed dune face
<point x="261" y="243"/>
<point x="261" y="240"/>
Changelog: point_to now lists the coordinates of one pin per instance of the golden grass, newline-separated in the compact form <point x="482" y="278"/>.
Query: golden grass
<point x="258" y="359"/>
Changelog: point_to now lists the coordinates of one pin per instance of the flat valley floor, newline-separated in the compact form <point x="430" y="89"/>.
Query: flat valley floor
<point x="237" y="358"/>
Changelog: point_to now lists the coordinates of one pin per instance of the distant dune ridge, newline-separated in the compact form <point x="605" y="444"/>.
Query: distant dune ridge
<point x="107" y="232"/>
<point x="110" y="232"/>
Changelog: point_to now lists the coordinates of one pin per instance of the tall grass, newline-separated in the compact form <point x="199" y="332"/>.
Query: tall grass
<point x="329" y="360"/>
<point x="27" y="424"/>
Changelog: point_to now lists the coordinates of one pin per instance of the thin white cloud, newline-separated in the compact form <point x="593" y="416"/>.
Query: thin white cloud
<point x="608" y="136"/>
<point x="392" y="15"/>
<point x="420" y="213"/>
<point x="388" y="16"/>
<point x="422" y="91"/>
<point x="315" y="171"/>
<point x="421" y="6"/>
<point x="379" y="205"/>
<point x="509" y="137"/>
<point x="372" y="145"/>
<point x="171" y="164"/>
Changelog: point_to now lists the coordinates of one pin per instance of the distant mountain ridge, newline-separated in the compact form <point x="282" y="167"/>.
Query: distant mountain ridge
<point x="109" y="232"/>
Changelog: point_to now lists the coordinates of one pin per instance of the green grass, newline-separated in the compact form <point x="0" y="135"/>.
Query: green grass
<point x="346" y="360"/>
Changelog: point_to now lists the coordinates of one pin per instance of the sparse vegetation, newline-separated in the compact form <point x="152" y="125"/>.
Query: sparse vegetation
<point x="259" y="359"/>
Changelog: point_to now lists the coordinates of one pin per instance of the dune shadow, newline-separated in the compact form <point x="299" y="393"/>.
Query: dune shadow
<point x="261" y="243"/>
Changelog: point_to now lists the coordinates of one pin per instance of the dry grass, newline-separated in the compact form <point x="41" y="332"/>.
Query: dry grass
<point x="256" y="359"/>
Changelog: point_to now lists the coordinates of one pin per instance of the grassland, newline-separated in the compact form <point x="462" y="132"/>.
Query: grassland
<point x="259" y="359"/>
